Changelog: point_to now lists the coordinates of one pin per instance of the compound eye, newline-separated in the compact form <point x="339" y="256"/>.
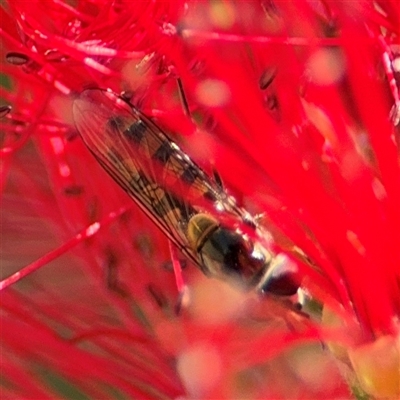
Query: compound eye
<point x="283" y="278"/>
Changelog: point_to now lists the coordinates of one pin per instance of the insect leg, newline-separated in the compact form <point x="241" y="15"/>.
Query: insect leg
<point x="388" y="60"/>
<point x="183" y="290"/>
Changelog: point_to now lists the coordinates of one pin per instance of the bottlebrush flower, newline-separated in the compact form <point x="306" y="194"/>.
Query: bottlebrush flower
<point x="296" y="105"/>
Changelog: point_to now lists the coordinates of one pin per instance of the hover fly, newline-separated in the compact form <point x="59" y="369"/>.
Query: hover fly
<point x="187" y="205"/>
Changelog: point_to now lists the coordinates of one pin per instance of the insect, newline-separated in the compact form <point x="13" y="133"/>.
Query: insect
<point x="190" y="207"/>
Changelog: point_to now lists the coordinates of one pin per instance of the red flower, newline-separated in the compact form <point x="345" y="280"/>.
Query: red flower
<point x="295" y="105"/>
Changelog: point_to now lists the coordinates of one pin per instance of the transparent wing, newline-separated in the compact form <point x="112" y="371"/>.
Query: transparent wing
<point x="157" y="175"/>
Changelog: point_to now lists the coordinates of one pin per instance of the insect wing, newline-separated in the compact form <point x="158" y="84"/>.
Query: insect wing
<point x="118" y="136"/>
